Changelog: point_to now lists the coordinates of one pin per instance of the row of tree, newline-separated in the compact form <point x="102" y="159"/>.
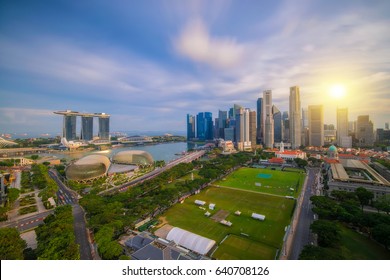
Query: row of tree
<point x="347" y="208"/>
<point x="56" y="239"/>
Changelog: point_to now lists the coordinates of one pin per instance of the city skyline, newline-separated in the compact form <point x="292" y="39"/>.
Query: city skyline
<point x="150" y="65"/>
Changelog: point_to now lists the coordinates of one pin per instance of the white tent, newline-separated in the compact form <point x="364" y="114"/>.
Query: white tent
<point x="200" y="202"/>
<point x="258" y="216"/>
<point x="190" y="240"/>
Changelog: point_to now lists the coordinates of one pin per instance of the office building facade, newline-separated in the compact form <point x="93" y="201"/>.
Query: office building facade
<point x="295" y="117"/>
<point x="364" y="131"/>
<point x="278" y="125"/>
<point x="269" y="120"/>
<point x="342" y="128"/>
<point x="69" y="128"/>
<point x="252" y="128"/>
<point x="190" y="127"/>
<point x="204" y="126"/>
<point x="104" y="127"/>
<point x="260" y="120"/>
<point x="86" y="128"/>
<point x="316" y="125"/>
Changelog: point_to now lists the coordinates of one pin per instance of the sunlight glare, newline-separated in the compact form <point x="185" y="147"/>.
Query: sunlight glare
<point x="337" y="91"/>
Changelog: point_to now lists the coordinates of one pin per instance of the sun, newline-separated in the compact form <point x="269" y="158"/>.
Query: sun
<point x="337" y="91"/>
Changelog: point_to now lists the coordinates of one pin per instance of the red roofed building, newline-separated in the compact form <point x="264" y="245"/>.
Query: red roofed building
<point x="276" y="160"/>
<point x="289" y="154"/>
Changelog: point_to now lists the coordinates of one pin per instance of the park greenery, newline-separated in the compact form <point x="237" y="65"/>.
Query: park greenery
<point x="41" y="180"/>
<point x="345" y="210"/>
<point x="56" y="239"/>
<point x="112" y="215"/>
<point x="11" y="244"/>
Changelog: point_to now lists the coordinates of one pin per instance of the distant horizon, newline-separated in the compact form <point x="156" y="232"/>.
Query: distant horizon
<point x="31" y="134"/>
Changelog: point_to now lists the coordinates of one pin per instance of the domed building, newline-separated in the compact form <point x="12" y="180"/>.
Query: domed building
<point x="332" y="152"/>
<point x="133" y="157"/>
<point x="88" y="168"/>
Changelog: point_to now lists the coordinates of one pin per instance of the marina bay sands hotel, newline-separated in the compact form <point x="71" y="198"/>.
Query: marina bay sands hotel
<point x="69" y="126"/>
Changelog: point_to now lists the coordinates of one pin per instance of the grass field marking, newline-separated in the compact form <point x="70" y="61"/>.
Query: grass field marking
<point x="243" y="190"/>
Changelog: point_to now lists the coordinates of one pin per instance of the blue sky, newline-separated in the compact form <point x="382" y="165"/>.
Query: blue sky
<point x="149" y="63"/>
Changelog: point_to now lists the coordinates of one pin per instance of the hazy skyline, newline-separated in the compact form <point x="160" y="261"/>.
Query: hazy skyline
<point x="149" y="63"/>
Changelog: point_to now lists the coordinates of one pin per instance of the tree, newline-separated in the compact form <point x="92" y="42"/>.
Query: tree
<point x="11" y="244"/>
<point x="13" y="195"/>
<point x="328" y="233"/>
<point x="56" y="239"/>
<point x="364" y="196"/>
<point x="383" y="203"/>
<point x="381" y="233"/>
<point x="311" y="252"/>
<point x="34" y="157"/>
<point x="300" y="162"/>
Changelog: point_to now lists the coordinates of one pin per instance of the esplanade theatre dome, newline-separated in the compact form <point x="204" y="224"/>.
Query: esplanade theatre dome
<point x="134" y="157"/>
<point x="88" y="168"/>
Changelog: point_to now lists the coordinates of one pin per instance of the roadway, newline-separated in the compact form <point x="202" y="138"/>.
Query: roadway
<point x="27" y="223"/>
<point x="67" y="196"/>
<point x="184" y="159"/>
<point x="302" y="235"/>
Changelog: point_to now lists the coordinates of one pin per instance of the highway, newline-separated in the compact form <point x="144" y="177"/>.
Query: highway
<point x="302" y="235"/>
<point x="184" y="159"/>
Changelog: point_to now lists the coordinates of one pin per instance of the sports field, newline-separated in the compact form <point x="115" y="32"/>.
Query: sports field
<point x="241" y="248"/>
<point x="265" y="181"/>
<point x="265" y="237"/>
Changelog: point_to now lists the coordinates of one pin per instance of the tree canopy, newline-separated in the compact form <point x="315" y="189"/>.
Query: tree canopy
<point x="56" y="239"/>
<point x="11" y="244"/>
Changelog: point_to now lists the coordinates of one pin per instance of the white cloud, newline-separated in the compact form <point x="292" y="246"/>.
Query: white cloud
<point x="195" y="43"/>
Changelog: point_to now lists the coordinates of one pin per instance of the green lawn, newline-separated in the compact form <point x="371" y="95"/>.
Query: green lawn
<point x="241" y="248"/>
<point x="292" y="169"/>
<point x="182" y="179"/>
<point x="359" y="247"/>
<point x="268" y="233"/>
<point x="280" y="183"/>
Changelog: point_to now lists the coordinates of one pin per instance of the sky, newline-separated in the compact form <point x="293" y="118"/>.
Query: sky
<point x="149" y="63"/>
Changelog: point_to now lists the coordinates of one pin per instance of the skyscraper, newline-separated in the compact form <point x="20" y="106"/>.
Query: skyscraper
<point x="269" y="120"/>
<point x="295" y="117"/>
<point x="278" y="124"/>
<point x="239" y="129"/>
<point x="204" y="126"/>
<point x="342" y="127"/>
<point x="222" y="123"/>
<point x="86" y="128"/>
<point x="190" y="127"/>
<point x="364" y="131"/>
<point x="104" y="126"/>
<point x="316" y="125"/>
<point x="305" y="127"/>
<point x="69" y="128"/>
<point x="286" y="127"/>
<point x="260" y="120"/>
<point x="243" y="129"/>
<point x="252" y="129"/>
